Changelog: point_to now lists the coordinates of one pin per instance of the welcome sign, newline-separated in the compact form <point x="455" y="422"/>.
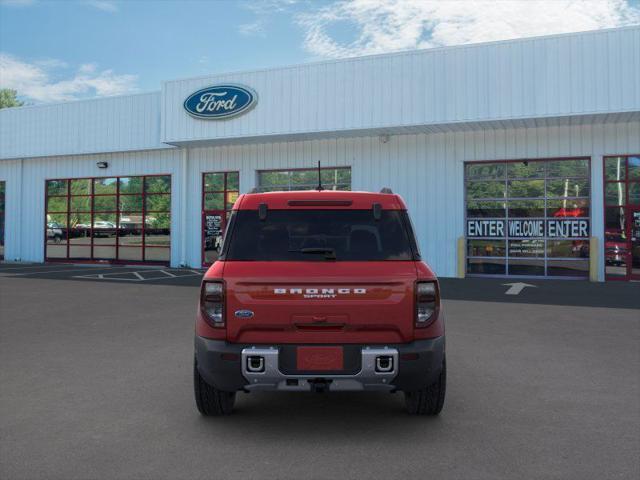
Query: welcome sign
<point x="219" y="102"/>
<point x="525" y="228"/>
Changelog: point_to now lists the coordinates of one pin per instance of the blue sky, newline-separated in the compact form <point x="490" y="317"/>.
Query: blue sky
<point x="63" y="50"/>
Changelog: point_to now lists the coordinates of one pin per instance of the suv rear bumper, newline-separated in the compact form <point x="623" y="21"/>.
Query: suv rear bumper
<point x="225" y="366"/>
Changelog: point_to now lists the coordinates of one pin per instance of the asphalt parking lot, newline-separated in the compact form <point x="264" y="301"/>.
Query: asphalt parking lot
<point x="95" y="376"/>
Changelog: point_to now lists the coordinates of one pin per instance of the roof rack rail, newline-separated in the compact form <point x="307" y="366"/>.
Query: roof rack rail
<point x="386" y="190"/>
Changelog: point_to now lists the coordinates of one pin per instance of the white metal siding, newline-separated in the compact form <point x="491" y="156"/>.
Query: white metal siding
<point x="27" y="220"/>
<point x="90" y="126"/>
<point x="426" y="169"/>
<point x="11" y="174"/>
<point x="547" y="77"/>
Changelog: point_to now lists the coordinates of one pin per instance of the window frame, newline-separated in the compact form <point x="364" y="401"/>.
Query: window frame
<point x="225" y="211"/>
<point x="301" y="169"/>
<point x="506" y="199"/>
<point x="627" y="207"/>
<point x="3" y="216"/>
<point x="91" y="213"/>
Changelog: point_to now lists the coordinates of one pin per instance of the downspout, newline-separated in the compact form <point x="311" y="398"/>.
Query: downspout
<point x="18" y="235"/>
<point x="184" y="209"/>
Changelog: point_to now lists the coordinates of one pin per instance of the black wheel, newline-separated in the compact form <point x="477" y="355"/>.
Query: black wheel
<point x="430" y="400"/>
<point x="209" y="400"/>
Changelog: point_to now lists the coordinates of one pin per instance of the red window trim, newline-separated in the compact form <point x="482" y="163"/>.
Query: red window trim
<point x="143" y="246"/>
<point x="224" y="210"/>
<point x="626" y="206"/>
<point x="506" y="256"/>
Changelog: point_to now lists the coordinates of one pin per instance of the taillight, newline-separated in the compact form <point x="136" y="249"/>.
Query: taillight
<point x="212" y="303"/>
<point x="427" y="303"/>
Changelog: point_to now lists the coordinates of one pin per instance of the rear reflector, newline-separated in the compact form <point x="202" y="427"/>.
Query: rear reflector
<point x="230" y="357"/>
<point x="409" y="356"/>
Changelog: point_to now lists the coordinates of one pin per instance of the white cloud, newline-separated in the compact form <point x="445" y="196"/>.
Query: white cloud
<point x="87" y="68"/>
<point x="252" y="29"/>
<point x="36" y="81"/>
<point x="104" y="5"/>
<point x="51" y="63"/>
<point x="264" y="10"/>
<point x="269" y="6"/>
<point x="389" y="25"/>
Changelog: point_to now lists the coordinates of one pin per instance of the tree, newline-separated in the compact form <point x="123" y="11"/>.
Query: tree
<point x="8" y="98"/>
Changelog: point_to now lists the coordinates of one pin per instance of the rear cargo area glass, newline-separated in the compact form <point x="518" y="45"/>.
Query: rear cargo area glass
<point x="314" y="235"/>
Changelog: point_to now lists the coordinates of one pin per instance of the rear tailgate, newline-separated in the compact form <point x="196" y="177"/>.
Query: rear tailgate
<point x="320" y="302"/>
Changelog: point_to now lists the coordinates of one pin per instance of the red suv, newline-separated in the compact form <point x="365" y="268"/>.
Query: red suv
<point x="319" y="291"/>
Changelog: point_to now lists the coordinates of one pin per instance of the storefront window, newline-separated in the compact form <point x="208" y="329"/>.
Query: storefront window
<point x="307" y="179"/>
<point x="529" y="218"/>
<point x="109" y="219"/>
<point x="220" y="190"/>
<point x="622" y="217"/>
<point x="2" y="211"/>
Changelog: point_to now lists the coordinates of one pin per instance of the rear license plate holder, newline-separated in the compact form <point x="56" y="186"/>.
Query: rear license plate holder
<point x="320" y="359"/>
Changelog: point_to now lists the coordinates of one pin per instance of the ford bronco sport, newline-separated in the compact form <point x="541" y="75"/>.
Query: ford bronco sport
<point x="317" y="291"/>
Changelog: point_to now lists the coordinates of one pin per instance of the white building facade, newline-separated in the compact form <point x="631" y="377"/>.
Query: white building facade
<point x="518" y="158"/>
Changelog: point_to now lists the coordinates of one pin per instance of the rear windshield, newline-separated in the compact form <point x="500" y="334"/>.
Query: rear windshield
<point x="319" y="235"/>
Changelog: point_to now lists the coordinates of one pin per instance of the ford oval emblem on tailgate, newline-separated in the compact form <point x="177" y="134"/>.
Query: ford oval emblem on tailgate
<point x="244" y="313"/>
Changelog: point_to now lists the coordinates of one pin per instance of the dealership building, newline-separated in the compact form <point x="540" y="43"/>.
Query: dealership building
<point x="516" y="158"/>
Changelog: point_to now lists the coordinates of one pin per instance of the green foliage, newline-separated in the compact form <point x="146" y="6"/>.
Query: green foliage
<point x="332" y="179"/>
<point x="8" y="98"/>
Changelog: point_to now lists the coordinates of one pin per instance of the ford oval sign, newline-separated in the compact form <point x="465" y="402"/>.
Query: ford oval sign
<point x="244" y="313"/>
<point x="220" y="101"/>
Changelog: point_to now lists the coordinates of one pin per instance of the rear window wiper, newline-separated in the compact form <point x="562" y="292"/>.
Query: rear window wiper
<point x="329" y="253"/>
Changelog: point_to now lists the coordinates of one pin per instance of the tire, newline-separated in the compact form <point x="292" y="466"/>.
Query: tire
<point x="430" y="400"/>
<point x="209" y="400"/>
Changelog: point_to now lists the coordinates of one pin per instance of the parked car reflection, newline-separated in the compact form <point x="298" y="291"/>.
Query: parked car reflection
<point x="54" y="232"/>
<point x="615" y="249"/>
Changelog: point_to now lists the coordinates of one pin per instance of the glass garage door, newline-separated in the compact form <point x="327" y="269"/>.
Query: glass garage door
<point x="115" y="219"/>
<point x="622" y="217"/>
<point x="528" y="218"/>
<point x="2" y="209"/>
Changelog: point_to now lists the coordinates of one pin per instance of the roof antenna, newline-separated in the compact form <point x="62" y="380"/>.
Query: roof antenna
<point x="320" y="187"/>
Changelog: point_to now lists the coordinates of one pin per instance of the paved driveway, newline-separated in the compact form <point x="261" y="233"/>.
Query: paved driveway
<point x="95" y="382"/>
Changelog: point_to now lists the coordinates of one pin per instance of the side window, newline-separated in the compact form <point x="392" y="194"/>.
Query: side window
<point x="333" y="178"/>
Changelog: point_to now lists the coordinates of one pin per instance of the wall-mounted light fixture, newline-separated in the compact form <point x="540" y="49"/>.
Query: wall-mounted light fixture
<point x="102" y="164"/>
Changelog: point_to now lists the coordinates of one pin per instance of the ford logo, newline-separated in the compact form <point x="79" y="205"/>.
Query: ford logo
<point x="244" y="313"/>
<point x="220" y="101"/>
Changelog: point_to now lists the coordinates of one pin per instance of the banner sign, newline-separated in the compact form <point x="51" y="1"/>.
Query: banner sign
<point x="529" y="228"/>
<point x="212" y="231"/>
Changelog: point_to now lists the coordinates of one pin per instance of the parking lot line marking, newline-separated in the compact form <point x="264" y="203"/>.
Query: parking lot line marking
<point x="26" y="268"/>
<point x="112" y="276"/>
<point x="516" y="288"/>
<point x="139" y="276"/>
<point x="43" y="272"/>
